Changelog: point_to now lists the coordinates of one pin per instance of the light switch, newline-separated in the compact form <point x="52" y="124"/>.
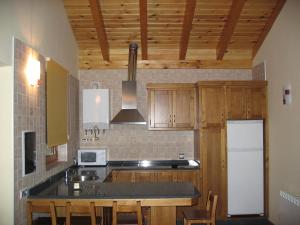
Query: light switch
<point x="287" y="95"/>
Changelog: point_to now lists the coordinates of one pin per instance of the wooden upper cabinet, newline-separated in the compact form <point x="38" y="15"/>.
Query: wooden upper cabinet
<point x="256" y="103"/>
<point x="212" y="105"/>
<point x="160" y="110"/>
<point x="184" y="108"/>
<point x="171" y="106"/>
<point x="247" y="101"/>
<point x="236" y="102"/>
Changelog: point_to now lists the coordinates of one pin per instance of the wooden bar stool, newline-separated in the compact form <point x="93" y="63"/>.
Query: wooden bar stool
<point x="43" y="207"/>
<point x="207" y="216"/>
<point x="128" y="207"/>
<point x="85" y="211"/>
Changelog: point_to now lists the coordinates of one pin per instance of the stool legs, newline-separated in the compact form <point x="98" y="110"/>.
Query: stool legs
<point x="53" y="213"/>
<point x="93" y="213"/>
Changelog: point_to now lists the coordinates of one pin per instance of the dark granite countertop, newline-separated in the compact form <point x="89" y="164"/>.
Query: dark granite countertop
<point x="99" y="190"/>
<point x="57" y="187"/>
<point x="154" y="164"/>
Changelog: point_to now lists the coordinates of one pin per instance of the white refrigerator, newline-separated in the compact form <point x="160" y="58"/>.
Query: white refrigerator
<point x="245" y="167"/>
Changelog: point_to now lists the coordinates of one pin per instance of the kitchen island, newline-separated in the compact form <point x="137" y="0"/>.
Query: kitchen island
<point x="162" y="197"/>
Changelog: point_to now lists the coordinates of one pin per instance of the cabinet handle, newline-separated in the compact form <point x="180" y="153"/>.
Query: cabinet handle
<point x="170" y="118"/>
<point x="223" y="164"/>
<point x="174" y="118"/>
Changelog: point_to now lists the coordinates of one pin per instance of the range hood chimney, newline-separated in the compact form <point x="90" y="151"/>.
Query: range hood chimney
<point x="129" y="113"/>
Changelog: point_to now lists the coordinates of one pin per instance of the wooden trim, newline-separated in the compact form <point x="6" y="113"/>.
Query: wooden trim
<point x="248" y="83"/>
<point x="169" y="86"/>
<point x="266" y="158"/>
<point x="100" y="28"/>
<point x="234" y="15"/>
<point x="224" y="183"/>
<point x="267" y="28"/>
<point x="190" y="6"/>
<point x="109" y="202"/>
<point x="144" y="30"/>
<point x="170" y="64"/>
<point x="29" y="213"/>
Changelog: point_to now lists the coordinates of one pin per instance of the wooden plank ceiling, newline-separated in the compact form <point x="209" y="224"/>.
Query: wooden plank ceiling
<point x="171" y="33"/>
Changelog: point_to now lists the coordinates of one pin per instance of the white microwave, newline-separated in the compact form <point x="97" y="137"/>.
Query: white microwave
<point x="92" y="157"/>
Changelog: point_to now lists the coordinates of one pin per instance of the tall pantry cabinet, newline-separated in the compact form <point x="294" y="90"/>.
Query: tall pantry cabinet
<point x="218" y="102"/>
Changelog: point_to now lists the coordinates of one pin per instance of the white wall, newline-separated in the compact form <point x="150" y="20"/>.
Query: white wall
<point x="6" y="140"/>
<point x="42" y="24"/>
<point x="281" y="50"/>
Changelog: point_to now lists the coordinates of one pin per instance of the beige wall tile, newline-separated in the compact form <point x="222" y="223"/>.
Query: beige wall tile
<point x="134" y="142"/>
<point x="29" y="114"/>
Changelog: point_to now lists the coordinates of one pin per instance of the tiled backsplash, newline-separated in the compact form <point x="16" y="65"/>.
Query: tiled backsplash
<point x="30" y="114"/>
<point x="135" y="142"/>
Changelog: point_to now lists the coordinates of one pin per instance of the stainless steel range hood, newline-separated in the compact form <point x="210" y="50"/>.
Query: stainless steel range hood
<point x="129" y="113"/>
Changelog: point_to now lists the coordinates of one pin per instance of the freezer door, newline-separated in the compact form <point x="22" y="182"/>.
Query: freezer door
<point x="245" y="134"/>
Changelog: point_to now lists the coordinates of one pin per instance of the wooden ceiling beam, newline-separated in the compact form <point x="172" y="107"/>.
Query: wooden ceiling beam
<point x="234" y="15"/>
<point x="267" y="27"/>
<point x="190" y="6"/>
<point x="144" y="28"/>
<point x="100" y="28"/>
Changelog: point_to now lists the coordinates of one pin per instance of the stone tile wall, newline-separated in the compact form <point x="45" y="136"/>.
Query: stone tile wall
<point x="135" y="142"/>
<point x="259" y="71"/>
<point x="30" y="114"/>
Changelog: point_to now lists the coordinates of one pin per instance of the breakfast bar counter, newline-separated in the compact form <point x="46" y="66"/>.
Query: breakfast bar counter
<point x="162" y="197"/>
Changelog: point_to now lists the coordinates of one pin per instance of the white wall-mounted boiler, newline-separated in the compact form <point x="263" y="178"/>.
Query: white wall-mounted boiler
<point x="95" y="103"/>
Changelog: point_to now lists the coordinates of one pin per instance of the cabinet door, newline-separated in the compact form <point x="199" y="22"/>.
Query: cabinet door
<point x="145" y="176"/>
<point x="212" y="106"/>
<point x="213" y="160"/>
<point x="160" y="109"/>
<point x="166" y="176"/>
<point x="236" y="102"/>
<point x="188" y="176"/>
<point x="184" y="108"/>
<point x="256" y="103"/>
<point x="123" y="176"/>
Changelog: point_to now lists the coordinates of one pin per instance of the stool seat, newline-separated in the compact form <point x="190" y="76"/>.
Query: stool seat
<point x="129" y="213"/>
<point x="194" y="214"/>
<point x="83" y="208"/>
<point x="207" y="216"/>
<point x="82" y="220"/>
<point x="47" y="221"/>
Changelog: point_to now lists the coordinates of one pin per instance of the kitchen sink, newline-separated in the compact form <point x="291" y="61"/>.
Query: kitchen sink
<point x="79" y="178"/>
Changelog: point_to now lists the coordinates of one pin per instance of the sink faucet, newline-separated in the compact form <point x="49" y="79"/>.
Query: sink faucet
<point x="68" y="170"/>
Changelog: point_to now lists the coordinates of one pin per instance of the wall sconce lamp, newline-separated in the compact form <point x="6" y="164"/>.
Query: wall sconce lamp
<point x="33" y="71"/>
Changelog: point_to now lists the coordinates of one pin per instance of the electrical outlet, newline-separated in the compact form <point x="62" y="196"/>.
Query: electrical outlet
<point x="24" y="193"/>
<point x="181" y="155"/>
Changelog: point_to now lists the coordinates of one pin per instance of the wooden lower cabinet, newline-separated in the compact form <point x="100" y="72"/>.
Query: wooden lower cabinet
<point x="213" y="169"/>
<point x="138" y="176"/>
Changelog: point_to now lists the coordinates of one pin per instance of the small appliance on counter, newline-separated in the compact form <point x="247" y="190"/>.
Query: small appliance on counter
<point x="92" y="157"/>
